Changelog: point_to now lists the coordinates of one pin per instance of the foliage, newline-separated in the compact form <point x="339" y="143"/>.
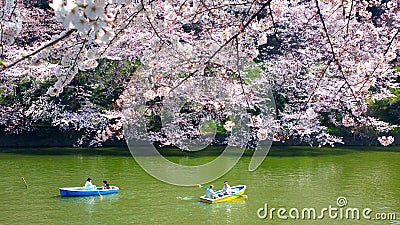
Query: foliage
<point x="92" y="92"/>
<point x="224" y="62"/>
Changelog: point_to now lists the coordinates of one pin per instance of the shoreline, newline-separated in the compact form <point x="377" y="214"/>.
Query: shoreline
<point x="278" y="151"/>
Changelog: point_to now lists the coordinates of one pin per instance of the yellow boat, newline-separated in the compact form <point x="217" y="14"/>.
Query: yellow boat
<point x="237" y="192"/>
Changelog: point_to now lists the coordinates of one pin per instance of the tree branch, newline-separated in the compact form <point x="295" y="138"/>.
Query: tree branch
<point x="238" y="72"/>
<point x="244" y="27"/>
<point x="227" y="42"/>
<point x="69" y="32"/>
<point x="130" y="19"/>
<point x="335" y="59"/>
<point x="348" y="21"/>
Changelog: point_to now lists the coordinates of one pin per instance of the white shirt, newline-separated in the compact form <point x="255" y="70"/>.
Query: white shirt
<point x="227" y="189"/>
<point x="89" y="185"/>
<point x="210" y="193"/>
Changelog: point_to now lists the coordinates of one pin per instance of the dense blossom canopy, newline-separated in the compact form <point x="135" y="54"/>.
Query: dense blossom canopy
<point x="289" y="68"/>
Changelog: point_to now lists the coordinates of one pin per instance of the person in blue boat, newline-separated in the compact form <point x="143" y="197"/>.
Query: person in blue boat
<point x="226" y="190"/>
<point x="210" y="193"/>
<point x="89" y="185"/>
<point x="106" y="185"/>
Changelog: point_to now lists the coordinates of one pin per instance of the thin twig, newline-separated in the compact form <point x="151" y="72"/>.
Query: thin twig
<point x="238" y="72"/>
<point x="130" y="19"/>
<point x="1" y="27"/>
<point x="391" y="42"/>
<point x="313" y="91"/>
<point x="238" y="33"/>
<point x="227" y="42"/>
<point x="74" y="62"/>
<point x="376" y="67"/>
<point x="247" y="13"/>
<point x="336" y="60"/>
<point x="348" y="21"/>
<point x="155" y="30"/>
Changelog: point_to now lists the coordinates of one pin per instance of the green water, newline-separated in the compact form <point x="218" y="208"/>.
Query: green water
<point x="369" y="179"/>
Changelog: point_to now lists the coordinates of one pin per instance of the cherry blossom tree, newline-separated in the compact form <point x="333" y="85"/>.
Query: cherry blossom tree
<point x="214" y="62"/>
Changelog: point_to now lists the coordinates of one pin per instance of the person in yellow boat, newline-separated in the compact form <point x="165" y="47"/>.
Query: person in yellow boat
<point x="210" y="193"/>
<point x="226" y="190"/>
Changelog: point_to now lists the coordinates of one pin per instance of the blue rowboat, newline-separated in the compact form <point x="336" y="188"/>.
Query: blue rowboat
<point x="81" y="191"/>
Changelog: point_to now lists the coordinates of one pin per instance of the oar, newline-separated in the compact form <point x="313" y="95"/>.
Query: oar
<point x="201" y="186"/>
<point x="244" y="196"/>
<point x="101" y="197"/>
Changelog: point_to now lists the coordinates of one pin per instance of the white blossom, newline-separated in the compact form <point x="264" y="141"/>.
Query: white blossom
<point x="229" y="125"/>
<point x="385" y="141"/>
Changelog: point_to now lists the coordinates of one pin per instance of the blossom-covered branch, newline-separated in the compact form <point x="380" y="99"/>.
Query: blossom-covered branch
<point x="325" y="62"/>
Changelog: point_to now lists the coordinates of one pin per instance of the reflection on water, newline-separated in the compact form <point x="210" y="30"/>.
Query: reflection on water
<point x="87" y="203"/>
<point x="184" y="198"/>
<point x="224" y="212"/>
<point x="366" y="179"/>
<point x="89" y="200"/>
